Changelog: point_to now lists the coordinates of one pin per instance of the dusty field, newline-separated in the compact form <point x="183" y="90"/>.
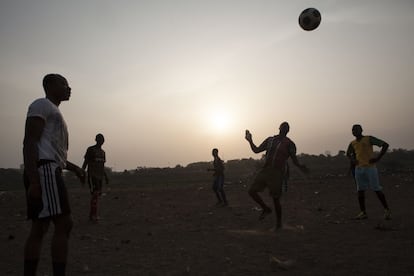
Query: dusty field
<point x="179" y="231"/>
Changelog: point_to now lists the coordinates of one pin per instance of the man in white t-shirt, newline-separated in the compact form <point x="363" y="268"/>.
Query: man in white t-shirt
<point x="45" y="150"/>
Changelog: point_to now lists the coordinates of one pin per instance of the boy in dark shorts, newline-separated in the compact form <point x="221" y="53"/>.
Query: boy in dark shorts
<point x="95" y="161"/>
<point x="218" y="183"/>
<point x="272" y="176"/>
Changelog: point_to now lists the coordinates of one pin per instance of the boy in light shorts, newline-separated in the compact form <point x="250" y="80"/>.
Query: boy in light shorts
<point x="361" y="154"/>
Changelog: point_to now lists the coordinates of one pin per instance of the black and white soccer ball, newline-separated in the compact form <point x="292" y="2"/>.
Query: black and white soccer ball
<point x="309" y="19"/>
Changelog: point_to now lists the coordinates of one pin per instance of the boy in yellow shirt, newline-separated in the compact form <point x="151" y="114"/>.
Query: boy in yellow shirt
<point x="361" y="153"/>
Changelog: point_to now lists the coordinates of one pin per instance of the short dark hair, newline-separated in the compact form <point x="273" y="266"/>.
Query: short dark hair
<point x="357" y="126"/>
<point x="286" y="125"/>
<point x="50" y="79"/>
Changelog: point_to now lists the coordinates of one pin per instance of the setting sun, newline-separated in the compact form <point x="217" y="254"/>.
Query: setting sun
<point x="220" y="121"/>
<point x="217" y="121"/>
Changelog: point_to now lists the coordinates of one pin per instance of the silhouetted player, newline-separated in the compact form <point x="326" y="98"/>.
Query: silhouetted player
<point x="361" y="153"/>
<point x="278" y="150"/>
<point x="95" y="161"/>
<point x="218" y="183"/>
<point x="45" y="150"/>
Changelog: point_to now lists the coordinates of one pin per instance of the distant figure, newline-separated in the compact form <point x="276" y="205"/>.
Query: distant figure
<point x="361" y="154"/>
<point x="218" y="183"/>
<point x="278" y="150"/>
<point x="95" y="161"/>
<point x="45" y="148"/>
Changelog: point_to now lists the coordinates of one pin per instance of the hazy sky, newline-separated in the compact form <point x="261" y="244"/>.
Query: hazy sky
<point x="166" y="81"/>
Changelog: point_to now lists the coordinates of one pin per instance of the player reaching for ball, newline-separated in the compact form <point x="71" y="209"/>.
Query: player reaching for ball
<point x="278" y="150"/>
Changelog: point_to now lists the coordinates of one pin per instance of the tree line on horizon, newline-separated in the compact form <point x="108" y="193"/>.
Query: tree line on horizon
<point x="236" y="171"/>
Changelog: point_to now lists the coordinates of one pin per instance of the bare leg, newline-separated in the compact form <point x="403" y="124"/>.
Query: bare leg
<point x="63" y="226"/>
<point x="221" y="192"/>
<point x="219" y="201"/>
<point x="278" y="211"/>
<point x="361" y="200"/>
<point x="223" y="196"/>
<point x="381" y="197"/>
<point x="256" y="197"/>
<point x="215" y="187"/>
<point x="93" y="214"/>
<point x="33" y="246"/>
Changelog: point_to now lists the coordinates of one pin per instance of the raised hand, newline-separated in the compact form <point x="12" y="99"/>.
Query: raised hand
<point x="248" y="135"/>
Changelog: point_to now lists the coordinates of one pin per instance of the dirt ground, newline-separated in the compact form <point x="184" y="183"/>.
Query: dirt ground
<point x="179" y="231"/>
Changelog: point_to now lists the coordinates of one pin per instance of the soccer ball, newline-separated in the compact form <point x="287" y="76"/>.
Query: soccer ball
<point x="309" y="19"/>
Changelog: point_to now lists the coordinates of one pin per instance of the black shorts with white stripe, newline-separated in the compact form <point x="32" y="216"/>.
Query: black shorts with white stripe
<point x="54" y="201"/>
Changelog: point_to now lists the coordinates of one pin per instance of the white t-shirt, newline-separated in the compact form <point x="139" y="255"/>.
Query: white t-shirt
<point x="53" y="144"/>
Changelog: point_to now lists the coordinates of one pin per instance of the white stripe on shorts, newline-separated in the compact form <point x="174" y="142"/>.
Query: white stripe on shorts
<point x="50" y="193"/>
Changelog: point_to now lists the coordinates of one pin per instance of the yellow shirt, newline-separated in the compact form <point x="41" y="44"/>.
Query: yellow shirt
<point x="363" y="150"/>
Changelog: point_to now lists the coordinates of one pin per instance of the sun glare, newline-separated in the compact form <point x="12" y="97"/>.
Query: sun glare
<point x="220" y="121"/>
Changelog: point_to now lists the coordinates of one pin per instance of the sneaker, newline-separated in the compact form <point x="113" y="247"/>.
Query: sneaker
<point x="362" y="215"/>
<point x="387" y="214"/>
<point x="264" y="213"/>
